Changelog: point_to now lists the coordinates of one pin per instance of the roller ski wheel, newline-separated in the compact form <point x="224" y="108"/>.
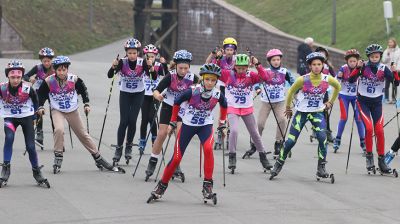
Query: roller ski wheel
<point x="40" y="180"/>
<point x="56" y="169"/>
<point x="3" y="183"/>
<point x="250" y="152"/>
<point x="213" y="198"/>
<point x="151" y="198"/>
<point x="277" y="168"/>
<point x="158" y="192"/>
<point x="103" y="165"/>
<point x="393" y="173"/>
<point x="371" y="170"/>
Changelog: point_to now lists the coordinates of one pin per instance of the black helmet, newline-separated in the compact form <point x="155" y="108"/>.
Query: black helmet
<point x="315" y="55"/>
<point x="210" y="69"/>
<point x="374" y="48"/>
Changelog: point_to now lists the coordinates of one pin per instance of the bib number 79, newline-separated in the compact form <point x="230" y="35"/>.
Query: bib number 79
<point x="240" y="99"/>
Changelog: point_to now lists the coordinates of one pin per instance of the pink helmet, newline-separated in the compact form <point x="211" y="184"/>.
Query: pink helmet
<point x="273" y="52"/>
<point x="150" y="49"/>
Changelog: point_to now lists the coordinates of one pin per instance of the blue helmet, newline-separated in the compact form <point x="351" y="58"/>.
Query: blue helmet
<point x="60" y="60"/>
<point x="315" y="55"/>
<point x="132" y="43"/>
<point x="182" y="56"/>
<point x="14" y="65"/>
<point x="46" y="52"/>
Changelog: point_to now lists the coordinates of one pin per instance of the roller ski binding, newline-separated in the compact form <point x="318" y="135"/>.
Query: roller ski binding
<point x="250" y="152"/>
<point x="5" y="174"/>
<point x="158" y="192"/>
<point x="39" y="139"/>
<point x="321" y="172"/>
<point x="150" y="168"/>
<point x="117" y="154"/>
<point x="369" y="157"/>
<point x="232" y="162"/>
<point x="264" y="161"/>
<point x="207" y="192"/>
<point x="277" y="168"/>
<point x="102" y="164"/>
<point x="178" y="174"/>
<point x="128" y="152"/>
<point x="58" y="159"/>
<point x="384" y="169"/>
<point x="336" y="145"/>
<point x="40" y="180"/>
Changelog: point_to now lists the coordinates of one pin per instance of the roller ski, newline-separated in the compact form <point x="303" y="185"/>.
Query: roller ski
<point x="232" y="162"/>
<point x="103" y="165"/>
<point x="40" y="180"/>
<point x="117" y="154"/>
<point x="336" y="145"/>
<point x="150" y="168"/>
<point x="277" y="168"/>
<point x="5" y="174"/>
<point x="369" y="157"/>
<point x="158" y="192"/>
<point x="39" y="139"/>
<point x="58" y="159"/>
<point x="178" y="174"/>
<point x="321" y="172"/>
<point x="207" y="192"/>
<point x="264" y="161"/>
<point x="250" y="152"/>
<point x="384" y="169"/>
<point x="128" y="152"/>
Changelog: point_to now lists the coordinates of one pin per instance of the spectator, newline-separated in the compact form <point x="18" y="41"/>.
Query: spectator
<point x="303" y="50"/>
<point x="391" y="55"/>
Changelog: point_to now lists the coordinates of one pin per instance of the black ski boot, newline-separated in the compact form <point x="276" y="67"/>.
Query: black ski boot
<point x="232" y="162"/>
<point x="250" y="152"/>
<point x="158" y="192"/>
<point x="58" y="159"/>
<point x="117" y="154"/>
<point x="128" y="152"/>
<point x="321" y="171"/>
<point x="264" y="161"/>
<point x="102" y="164"/>
<point x="369" y="157"/>
<point x="179" y="174"/>
<point x="5" y="174"/>
<point x="277" y="168"/>
<point x="151" y="167"/>
<point x="40" y="180"/>
<point x="207" y="192"/>
<point x="329" y="136"/>
<point x="277" y="148"/>
<point x="383" y="168"/>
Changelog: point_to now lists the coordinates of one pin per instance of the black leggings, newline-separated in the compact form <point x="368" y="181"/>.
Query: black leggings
<point x="148" y="110"/>
<point x="396" y="144"/>
<point x="129" y="106"/>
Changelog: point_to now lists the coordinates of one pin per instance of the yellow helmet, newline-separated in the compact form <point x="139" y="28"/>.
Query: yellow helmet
<point x="230" y="41"/>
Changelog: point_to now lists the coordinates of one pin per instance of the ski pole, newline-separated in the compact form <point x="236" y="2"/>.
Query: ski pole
<point x="220" y="130"/>
<point x="351" y="138"/>
<point x="108" y="104"/>
<point x="147" y="137"/>
<point x="163" y="156"/>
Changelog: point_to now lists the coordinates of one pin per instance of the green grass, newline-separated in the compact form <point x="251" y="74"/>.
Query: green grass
<point x="63" y="25"/>
<point x="359" y="22"/>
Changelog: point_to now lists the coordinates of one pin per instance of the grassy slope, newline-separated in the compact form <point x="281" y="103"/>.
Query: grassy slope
<point x="63" y="25"/>
<point x="359" y="22"/>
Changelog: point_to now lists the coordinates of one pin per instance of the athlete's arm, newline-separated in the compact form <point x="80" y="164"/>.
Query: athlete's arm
<point x="297" y="85"/>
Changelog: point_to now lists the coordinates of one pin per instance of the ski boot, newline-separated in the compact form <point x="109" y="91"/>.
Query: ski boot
<point x="277" y="168"/>
<point x="336" y="145"/>
<point x="370" y="163"/>
<point x="39" y="138"/>
<point x="363" y="147"/>
<point x="40" y="180"/>
<point x="321" y="172"/>
<point x="384" y="169"/>
<point x="264" y="161"/>
<point x="158" y="192"/>
<point x="313" y="136"/>
<point x="128" y="152"/>
<point x="58" y="159"/>
<point x="117" y="154"/>
<point x="250" y="152"/>
<point x="102" y="164"/>
<point x="232" y="162"/>
<point x="151" y="167"/>
<point x="178" y="174"/>
<point x="389" y="157"/>
<point x="142" y="145"/>
<point x="277" y="148"/>
<point x="5" y="174"/>
<point x="207" y="192"/>
<point x="329" y="136"/>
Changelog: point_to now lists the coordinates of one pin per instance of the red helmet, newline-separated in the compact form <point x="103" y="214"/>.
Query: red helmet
<point x="352" y="53"/>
